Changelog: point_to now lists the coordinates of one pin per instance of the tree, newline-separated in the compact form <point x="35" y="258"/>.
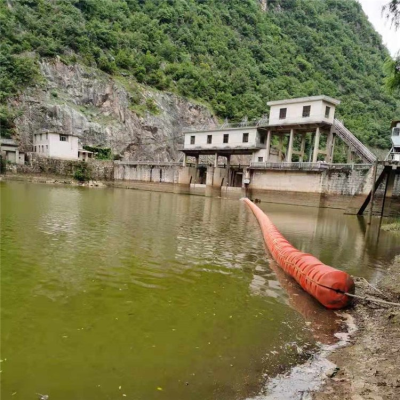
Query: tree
<point x="392" y="12"/>
<point x="392" y="70"/>
<point x="392" y="66"/>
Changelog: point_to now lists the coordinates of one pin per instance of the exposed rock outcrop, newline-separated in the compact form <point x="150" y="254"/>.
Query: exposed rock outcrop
<point x="264" y="4"/>
<point x="136" y="122"/>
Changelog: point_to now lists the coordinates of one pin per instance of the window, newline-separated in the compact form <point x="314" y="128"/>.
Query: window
<point x="192" y="139"/>
<point x="209" y="139"/>
<point x="226" y="138"/>
<point x="282" y="113"/>
<point x="245" y="137"/>
<point x="40" y="136"/>
<point x="63" y="138"/>
<point x="47" y="147"/>
<point x="35" y="149"/>
<point x="260" y="159"/>
<point x="47" y="136"/>
<point x="262" y="139"/>
<point x="327" y="111"/>
<point x="306" y="111"/>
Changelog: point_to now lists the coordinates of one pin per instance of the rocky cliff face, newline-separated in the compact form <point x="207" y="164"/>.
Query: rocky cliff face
<point x="134" y="121"/>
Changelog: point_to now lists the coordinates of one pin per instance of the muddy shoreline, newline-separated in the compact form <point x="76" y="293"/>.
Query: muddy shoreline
<point x="369" y="367"/>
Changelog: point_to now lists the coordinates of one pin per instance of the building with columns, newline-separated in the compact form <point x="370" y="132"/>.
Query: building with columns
<point x="298" y="133"/>
<point x="292" y="124"/>
<point x="300" y="116"/>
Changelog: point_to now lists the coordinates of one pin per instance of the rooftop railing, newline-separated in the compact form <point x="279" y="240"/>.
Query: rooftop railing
<point x="244" y="123"/>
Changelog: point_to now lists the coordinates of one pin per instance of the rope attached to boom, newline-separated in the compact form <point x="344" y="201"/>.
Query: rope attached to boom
<point x="371" y="299"/>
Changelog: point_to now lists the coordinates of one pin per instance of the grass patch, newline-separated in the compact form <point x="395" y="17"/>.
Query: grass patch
<point x="392" y="227"/>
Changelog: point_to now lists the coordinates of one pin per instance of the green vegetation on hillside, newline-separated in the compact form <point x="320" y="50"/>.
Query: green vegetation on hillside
<point x="392" y="70"/>
<point x="230" y="54"/>
<point x="392" y="66"/>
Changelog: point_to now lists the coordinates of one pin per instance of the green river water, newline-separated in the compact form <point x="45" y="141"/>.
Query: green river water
<point x="113" y="293"/>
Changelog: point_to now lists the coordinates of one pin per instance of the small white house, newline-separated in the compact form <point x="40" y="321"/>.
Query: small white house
<point x="9" y="150"/>
<point x="84" y="155"/>
<point x="56" y="145"/>
<point x="303" y="110"/>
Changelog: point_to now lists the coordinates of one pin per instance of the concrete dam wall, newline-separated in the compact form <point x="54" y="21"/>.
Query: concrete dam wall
<point x="343" y="186"/>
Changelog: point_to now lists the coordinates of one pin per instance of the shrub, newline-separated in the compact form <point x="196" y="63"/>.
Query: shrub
<point x="82" y="172"/>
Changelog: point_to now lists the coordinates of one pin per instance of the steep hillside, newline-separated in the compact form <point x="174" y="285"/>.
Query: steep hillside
<point x="133" y="120"/>
<point x="236" y="55"/>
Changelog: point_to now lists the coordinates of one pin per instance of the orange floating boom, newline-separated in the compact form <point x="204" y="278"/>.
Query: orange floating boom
<point x="328" y="285"/>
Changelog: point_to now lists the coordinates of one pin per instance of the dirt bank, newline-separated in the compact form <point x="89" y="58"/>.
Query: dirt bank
<point x="369" y="368"/>
<point x="50" y="179"/>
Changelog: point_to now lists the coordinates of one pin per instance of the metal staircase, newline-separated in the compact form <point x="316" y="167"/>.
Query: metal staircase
<point x="355" y="145"/>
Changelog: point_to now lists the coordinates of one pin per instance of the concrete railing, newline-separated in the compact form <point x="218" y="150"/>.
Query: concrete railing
<point x="289" y="165"/>
<point x="393" y="156"/>
<point x="353" y="142"/>
<point x="350" y="166"/>
<point x="245" y="123"/>
<point x="307" y="166"/>
<point x="149" y="163"/>
<point x="256" y="145"/>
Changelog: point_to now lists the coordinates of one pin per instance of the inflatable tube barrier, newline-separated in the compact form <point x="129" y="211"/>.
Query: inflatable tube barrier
<point x="328" y="285"/>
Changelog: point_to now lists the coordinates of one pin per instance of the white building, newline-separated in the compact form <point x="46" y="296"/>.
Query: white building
<point x="56" y="145"/>
<point x="225" y="142"/>
<point x="287" y="118"/>
<point x="230" y="138"/>
<point x="234" y="140"/>
<point x="9" y="151"/>
<point x="84" y="155"/>
<point x="303" y="110"/>
<point x="394" y="153"/>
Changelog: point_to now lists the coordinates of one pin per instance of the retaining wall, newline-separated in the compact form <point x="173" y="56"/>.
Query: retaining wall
<point x="97" y="169"/>
<point x="145" y="173"/>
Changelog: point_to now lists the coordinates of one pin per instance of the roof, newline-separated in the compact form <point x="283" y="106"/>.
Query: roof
<point x="8" y="142"/>
<point x="220" y="129"/>
<point x="327" y="99"/>
<point x="57" y="133"/>
<point x="394" y="123"/>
